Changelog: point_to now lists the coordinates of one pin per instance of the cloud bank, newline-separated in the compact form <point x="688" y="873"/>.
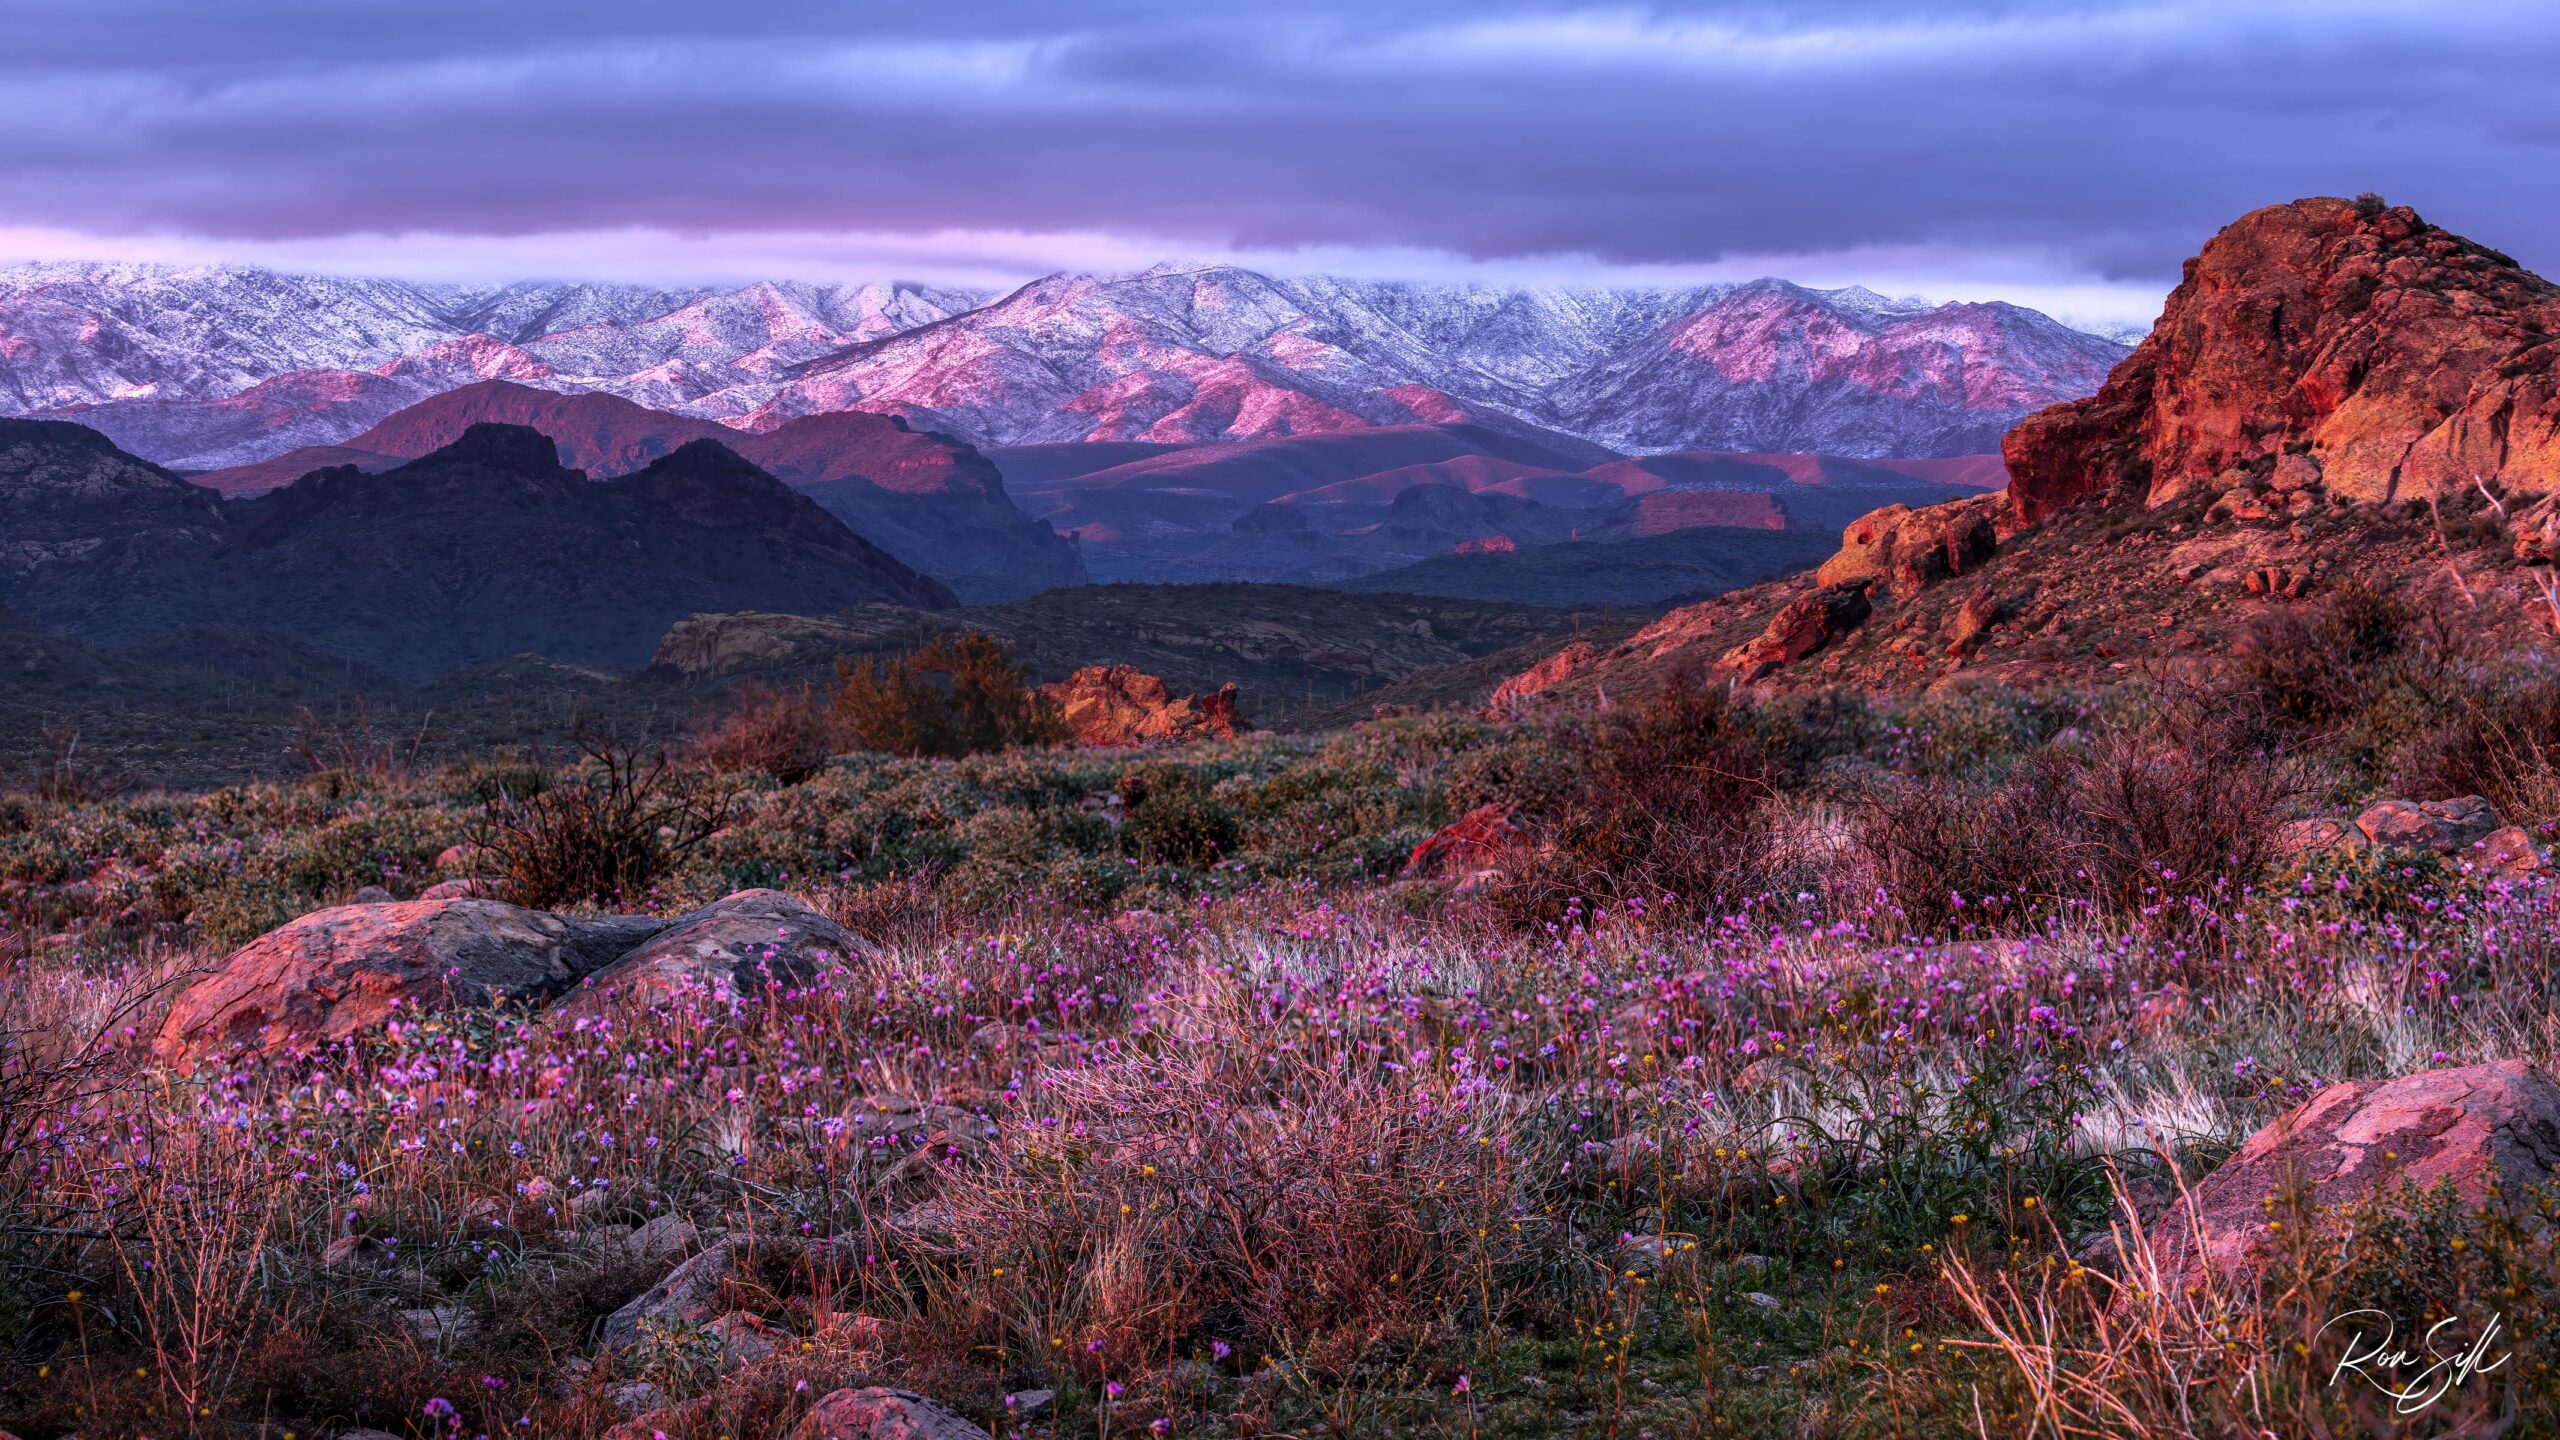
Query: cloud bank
<point x="2068" y="153"/>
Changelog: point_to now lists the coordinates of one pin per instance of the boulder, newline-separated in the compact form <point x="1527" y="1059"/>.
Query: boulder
<point x="878" y="1413"/>
<point x="2473" y="1128"/>
<point x="732" y="947"/>
<point x="1120" y="705"/>
<point x="1804" y="626"/>
<point x="337" y="972"/>
<point x="1904" y="550"/>
<point x="2442" y="826"/>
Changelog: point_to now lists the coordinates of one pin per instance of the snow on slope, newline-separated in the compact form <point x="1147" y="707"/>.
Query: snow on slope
<point x="206" y="367"/>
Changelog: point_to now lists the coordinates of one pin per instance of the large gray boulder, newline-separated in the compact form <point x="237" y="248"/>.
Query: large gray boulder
<point x="337" y="972"/>
<point x="729" y="949"/>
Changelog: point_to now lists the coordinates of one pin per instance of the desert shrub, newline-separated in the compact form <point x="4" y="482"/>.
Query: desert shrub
<point x="2183" y="805"/>
<point x="604" y="832"/>
<point x="1303" y="1209"/>
<point x="66" y="774"/>
<point x="777" y="733"/>
<point x="1667" y="800"/>
<point x="2499" y="738"/>
<point x="1171" y="819"/>
<point x="2180" y="809"/>
<point x="345" y="745"/>
<point x="2324" y="665"/>
<point x="1960" y="856"/>
<point x="956" y="696"/>
<point x="479" y="781"/>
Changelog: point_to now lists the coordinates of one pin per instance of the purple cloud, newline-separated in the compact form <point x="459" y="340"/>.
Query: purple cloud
<point x="2088" y="143"/>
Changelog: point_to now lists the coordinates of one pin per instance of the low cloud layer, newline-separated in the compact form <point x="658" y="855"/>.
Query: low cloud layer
<point x="2077" y="151"/>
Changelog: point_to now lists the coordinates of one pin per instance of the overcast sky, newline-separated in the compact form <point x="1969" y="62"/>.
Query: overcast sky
<point x="2067" y="155"/>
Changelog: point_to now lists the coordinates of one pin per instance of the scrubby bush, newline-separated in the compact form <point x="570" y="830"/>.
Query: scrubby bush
<point x="957" y="696"/>
<point x="1170" y="818"/>
<point x="2323" y="665"/>
<point x="2184" y="806"/>
<point x="2499" y="738"/>
<point x="602" y="833"/>
<point x="1666" y="800"/>
<point x="777" y="733"/>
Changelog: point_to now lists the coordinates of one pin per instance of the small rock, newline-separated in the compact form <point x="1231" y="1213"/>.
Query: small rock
<point x="877" y="1413"/>
<point x="441" y="1324"/>
<point x="730" y="948"/>
<point x="2304" y="839"/>
<point x="2438" y="825"/>
<point x="744" y="1339"/>
<point x="372" y="895"/>
<point x="351" y="1251"/>
<point x="662" y="1238"/>
<point x="469" y="887"/>
<point x="1469" y="849"/>
<point x="1761" y="1299"/>
<point x="685" y="1295"/>
<point x="2511" y="851"/>
<point x="1029" y="1404"/>
<point x="1799" y="629"/>
<point x="635" y="1396"/>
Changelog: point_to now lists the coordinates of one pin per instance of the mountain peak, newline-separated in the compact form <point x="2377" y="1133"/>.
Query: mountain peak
<point x="515" y="449"/>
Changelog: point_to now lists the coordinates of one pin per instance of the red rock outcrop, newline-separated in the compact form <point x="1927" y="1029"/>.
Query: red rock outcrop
<point x="1804" y="626"/>
<point x="1122" y="705"/>
<point x="1544" y="675"/>
<point x="1906" y="550"/>
<point x="1469" y="849"/>
<point x="2475" y="1127"/>
<point x="2396" y="358"/>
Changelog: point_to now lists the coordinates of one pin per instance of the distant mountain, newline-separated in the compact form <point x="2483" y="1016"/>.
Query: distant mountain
<point x="211" y="368"/>
<point x="175" y="362"/>
<point x="480" y="550"/>
<point x="933" y="502"/>
<point x="1772" y="366"/>
<point x="1188" y="354"/>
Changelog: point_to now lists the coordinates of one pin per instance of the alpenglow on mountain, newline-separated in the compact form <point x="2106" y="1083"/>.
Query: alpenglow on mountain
<point x="206" y="367"/>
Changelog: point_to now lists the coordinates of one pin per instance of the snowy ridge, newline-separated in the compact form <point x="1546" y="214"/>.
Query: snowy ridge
<point x="210" y="366"/>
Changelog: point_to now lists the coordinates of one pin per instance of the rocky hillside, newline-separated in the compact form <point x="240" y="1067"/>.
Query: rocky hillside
<point x="2364" y="351"/>
<point x="477" y="551"/>
<point x="2337" y="389"/>
<point x="1350" y="507"/>
<point x="932" y="501"/>
<point x="1287" y="648"/>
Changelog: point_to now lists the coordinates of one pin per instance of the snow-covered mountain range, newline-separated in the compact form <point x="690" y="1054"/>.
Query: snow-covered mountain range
<point x="205" y="367"/>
